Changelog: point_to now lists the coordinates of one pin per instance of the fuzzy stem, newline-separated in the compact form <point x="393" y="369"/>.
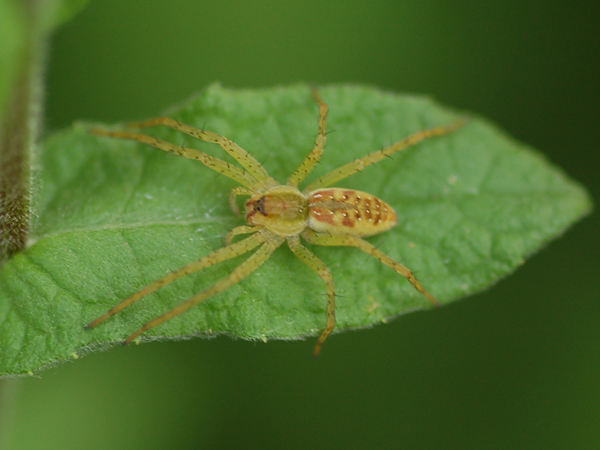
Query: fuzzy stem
<point x="19" y="126"/>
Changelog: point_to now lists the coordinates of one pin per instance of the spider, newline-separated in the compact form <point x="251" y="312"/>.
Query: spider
<point x="275" y="213"/>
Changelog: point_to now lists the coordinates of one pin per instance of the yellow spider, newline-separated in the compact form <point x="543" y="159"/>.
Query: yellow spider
<point x="276" y="213"/>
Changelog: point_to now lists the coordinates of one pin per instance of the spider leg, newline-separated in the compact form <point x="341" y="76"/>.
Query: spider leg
<point x="239" y="273"/>
<point x="242" y="229"/>
<point x="216" y="164"/>
<point x="232" y="198"/>
<point x="313" y="158"/>
<point x="311" y="260"/>
<point x="242" y="156"/>
<point x="223" y="254"/>
<point x="359" y="164"/>
<point x="351" y="241"/>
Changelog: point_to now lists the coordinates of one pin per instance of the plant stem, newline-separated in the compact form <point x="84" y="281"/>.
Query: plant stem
<point x="18" y="132"/>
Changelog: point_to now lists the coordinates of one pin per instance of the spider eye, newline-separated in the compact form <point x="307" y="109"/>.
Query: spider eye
<point x="260" y="205"/>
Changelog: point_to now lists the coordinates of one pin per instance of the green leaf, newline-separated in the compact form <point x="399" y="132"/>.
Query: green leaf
<point x="114" y="215"/>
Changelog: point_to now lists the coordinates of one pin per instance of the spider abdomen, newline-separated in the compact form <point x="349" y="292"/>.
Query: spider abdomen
<point x="346" y="211"/>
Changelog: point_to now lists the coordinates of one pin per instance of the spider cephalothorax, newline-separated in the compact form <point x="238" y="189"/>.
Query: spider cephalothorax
<point x="282" y="209"/>
<point x="275" y="213"/>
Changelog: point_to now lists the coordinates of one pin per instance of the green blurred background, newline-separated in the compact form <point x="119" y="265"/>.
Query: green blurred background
<point x="517" y="366"/>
